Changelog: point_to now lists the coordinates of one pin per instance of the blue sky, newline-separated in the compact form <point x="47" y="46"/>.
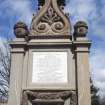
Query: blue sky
<point x="91" y="11"/>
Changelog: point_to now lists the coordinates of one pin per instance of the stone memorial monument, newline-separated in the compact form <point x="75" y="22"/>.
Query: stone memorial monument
<point x="49" y="64"/>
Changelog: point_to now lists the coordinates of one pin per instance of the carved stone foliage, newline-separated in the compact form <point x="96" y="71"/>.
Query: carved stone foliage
<point x="63" y="95"/>
<point x="50" y="20"/>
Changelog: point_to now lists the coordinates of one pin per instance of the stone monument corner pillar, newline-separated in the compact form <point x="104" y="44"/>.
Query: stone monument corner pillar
<point x="82" y="46"/>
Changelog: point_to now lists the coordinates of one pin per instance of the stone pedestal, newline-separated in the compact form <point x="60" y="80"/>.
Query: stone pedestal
<point x="17" y="59"/>
<point x="82" y="45"/>
<point x="48" y="102"/>
<point x="48" y="97"/>
<point x="83" y="74"/>
<point x="49" y="50"/>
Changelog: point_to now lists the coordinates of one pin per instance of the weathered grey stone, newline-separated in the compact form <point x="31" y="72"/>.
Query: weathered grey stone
<point x="80" y="29"/>
<point x="20" y="30"/>
<point x="54" y="98"/>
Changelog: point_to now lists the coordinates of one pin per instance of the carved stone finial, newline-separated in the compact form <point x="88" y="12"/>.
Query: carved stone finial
<point x="50" y="19"/>
<point x="80" y="29"/>
<point x="20" y="30"/>
<point x="60" y="2"/>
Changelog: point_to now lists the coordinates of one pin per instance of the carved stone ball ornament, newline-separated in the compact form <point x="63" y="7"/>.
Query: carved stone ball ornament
<point x="80" y="28"/>
<point x="51" y="19"/>
<point x="20" y="30"/>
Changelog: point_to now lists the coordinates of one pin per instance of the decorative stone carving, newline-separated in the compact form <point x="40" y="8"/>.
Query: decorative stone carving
<point x="50" y="20"/>
<point x="73" y="98"/>
<point x="20" y="30"/>
<point x="80" y="29"/>
<point x="63" y="95"/>
<point x="60" y="2"/>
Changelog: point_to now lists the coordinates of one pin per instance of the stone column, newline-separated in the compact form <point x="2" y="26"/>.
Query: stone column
<point x="17" y="59"/>
<point x="82" y="63"/>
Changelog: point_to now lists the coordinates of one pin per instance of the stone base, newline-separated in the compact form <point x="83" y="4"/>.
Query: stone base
<point x="48" y="102"/>
<point x="49" y="98"/>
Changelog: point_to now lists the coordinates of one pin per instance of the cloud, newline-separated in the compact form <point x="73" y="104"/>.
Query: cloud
<point x="12" y="11"/>
<point x="97" y="59"/>
<point x="21" y="8"/>
<point x="91" y="11"/>
<point x="80" y="9"/>
<point x="100" y="81"/>
<point x="101" y="87"/>
<point x="97" y="63"/>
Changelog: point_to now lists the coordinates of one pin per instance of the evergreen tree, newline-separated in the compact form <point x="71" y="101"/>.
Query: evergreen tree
<point x="94" y="96"/>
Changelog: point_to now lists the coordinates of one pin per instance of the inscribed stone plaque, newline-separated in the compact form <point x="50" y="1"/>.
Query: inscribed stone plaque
<point x="49" y="67"/>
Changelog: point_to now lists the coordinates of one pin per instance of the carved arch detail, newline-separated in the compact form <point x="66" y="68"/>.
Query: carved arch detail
<point x="50" y="20"/>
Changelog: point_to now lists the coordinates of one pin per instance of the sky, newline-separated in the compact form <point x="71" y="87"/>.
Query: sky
<point x="91" y="11"/>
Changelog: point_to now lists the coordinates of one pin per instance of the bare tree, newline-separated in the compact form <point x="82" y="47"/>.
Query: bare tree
<point x="4" y="70"/>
